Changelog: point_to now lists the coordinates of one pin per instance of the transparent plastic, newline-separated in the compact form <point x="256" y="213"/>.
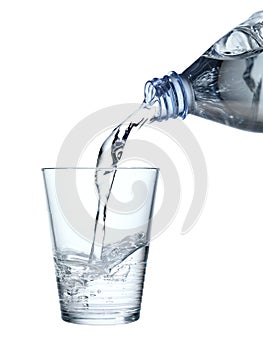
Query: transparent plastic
<point x="223" y="85"/>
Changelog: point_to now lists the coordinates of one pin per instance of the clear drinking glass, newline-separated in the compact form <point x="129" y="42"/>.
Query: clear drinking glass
<point x="100" y="281"/>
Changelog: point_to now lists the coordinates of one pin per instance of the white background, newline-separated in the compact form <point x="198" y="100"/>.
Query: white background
<point x="63" y="60"/>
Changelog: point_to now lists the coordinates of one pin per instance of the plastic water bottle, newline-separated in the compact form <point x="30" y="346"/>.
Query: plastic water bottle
<point x="223" y="85"/>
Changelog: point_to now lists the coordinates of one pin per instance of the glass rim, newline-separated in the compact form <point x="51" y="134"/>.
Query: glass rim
<point x="102" y="168"/>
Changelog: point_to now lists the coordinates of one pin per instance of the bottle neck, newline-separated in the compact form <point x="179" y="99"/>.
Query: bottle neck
<point x="170" y="96"/>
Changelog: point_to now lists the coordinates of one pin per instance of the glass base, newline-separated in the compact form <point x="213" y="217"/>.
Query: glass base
<point x="100" y="319"/>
